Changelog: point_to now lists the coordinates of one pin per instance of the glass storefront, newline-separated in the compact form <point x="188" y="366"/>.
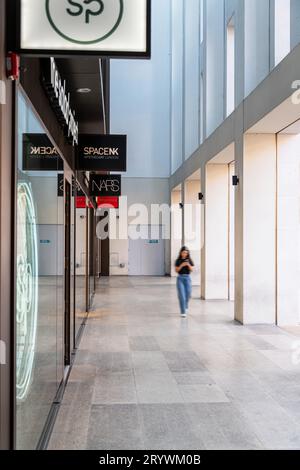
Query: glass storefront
<point x="39" y="289"/>
<point x="55" y="276"/>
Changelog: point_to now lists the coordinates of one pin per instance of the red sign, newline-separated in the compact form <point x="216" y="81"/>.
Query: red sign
<point x="108" y="202"/>
<point x="104" y="202"/>
<point x="80" y="202"/>
<point x="83" y="203"/>
<point x="12" y="66"/>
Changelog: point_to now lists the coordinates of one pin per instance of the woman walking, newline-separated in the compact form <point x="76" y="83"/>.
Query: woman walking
<point x="184" y="266"/>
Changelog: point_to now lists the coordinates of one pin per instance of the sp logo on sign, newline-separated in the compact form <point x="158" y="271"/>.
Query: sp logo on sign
<point x="79" y="9"/>
<point x="85" y="21"/>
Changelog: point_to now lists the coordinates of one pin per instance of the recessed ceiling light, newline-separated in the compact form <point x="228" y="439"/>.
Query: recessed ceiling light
<point x="84" y="90"/>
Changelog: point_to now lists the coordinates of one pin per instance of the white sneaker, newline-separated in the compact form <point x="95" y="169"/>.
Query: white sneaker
<point x="183" y="316"/>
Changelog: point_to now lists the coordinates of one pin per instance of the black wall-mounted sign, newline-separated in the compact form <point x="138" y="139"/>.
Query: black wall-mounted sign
<point x="105" y="185"/>
<point x="39" y="154"/>
<point x="102" y="153"/>
<point x="59" y="98"/>
<point x="60" y="187"/>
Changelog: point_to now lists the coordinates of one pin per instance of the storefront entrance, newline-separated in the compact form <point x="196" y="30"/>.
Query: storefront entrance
<point x="53" y="293"/>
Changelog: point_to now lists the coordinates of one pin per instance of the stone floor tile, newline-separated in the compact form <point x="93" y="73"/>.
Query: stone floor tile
<point x="143" y="378"/>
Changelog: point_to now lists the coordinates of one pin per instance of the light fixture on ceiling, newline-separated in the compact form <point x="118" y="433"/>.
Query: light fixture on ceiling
<point x="84" y="91"/>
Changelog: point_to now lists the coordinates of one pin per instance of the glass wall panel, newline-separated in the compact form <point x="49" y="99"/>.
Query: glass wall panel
<point x="72" y="283"/>
<point x="39" y="272"/>
<point x="81" y="264"/>
<point x="92" y="255"/>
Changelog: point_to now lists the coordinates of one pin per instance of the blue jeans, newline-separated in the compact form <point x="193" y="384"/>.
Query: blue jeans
<point x="184" y="289"/>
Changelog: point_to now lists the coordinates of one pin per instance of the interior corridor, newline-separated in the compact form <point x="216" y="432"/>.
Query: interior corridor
<point x="144" y="378"/>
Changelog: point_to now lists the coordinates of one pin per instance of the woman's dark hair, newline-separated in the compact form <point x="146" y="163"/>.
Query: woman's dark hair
<point x="184" y="248"/>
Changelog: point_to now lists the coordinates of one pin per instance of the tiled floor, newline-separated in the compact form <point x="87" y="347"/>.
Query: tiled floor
<point x="146" y="379"/>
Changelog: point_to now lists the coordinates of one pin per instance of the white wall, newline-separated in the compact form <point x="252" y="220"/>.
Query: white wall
<point x="140" y="101"/>
<point x="288" y="232"/>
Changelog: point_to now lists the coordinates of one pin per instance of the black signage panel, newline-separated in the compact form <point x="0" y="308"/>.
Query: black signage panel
<point x="102" y="153"/>
<point x="60" y="187"/>
<point x="105" y="185"/>
<point x="39" y="154"/>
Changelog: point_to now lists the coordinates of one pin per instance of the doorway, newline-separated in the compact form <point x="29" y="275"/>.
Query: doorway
<point x="146" y="253"/>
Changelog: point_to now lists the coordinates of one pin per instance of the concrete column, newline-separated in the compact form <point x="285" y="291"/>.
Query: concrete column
<point x="288" y="231"/>
<point x="192" y="225"/>
<point x="231" y="241"/>
<point x="182" y="200"/>
<point x="239" y="226"/>
<point x="215" y="268"/>
<point x="255" y="284"/>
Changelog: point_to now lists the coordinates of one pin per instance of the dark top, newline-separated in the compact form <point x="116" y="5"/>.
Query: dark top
<point x="185" y="269"/>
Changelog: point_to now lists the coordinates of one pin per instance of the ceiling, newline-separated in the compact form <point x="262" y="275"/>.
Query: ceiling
<point x="283" y="119"/>
<point x="225" y="157"/>
<point x="85" y="73"/>
<point x="195" y="176"/>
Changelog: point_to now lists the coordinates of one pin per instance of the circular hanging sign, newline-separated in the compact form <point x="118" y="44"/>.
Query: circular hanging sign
<point x="85" y="21"/>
